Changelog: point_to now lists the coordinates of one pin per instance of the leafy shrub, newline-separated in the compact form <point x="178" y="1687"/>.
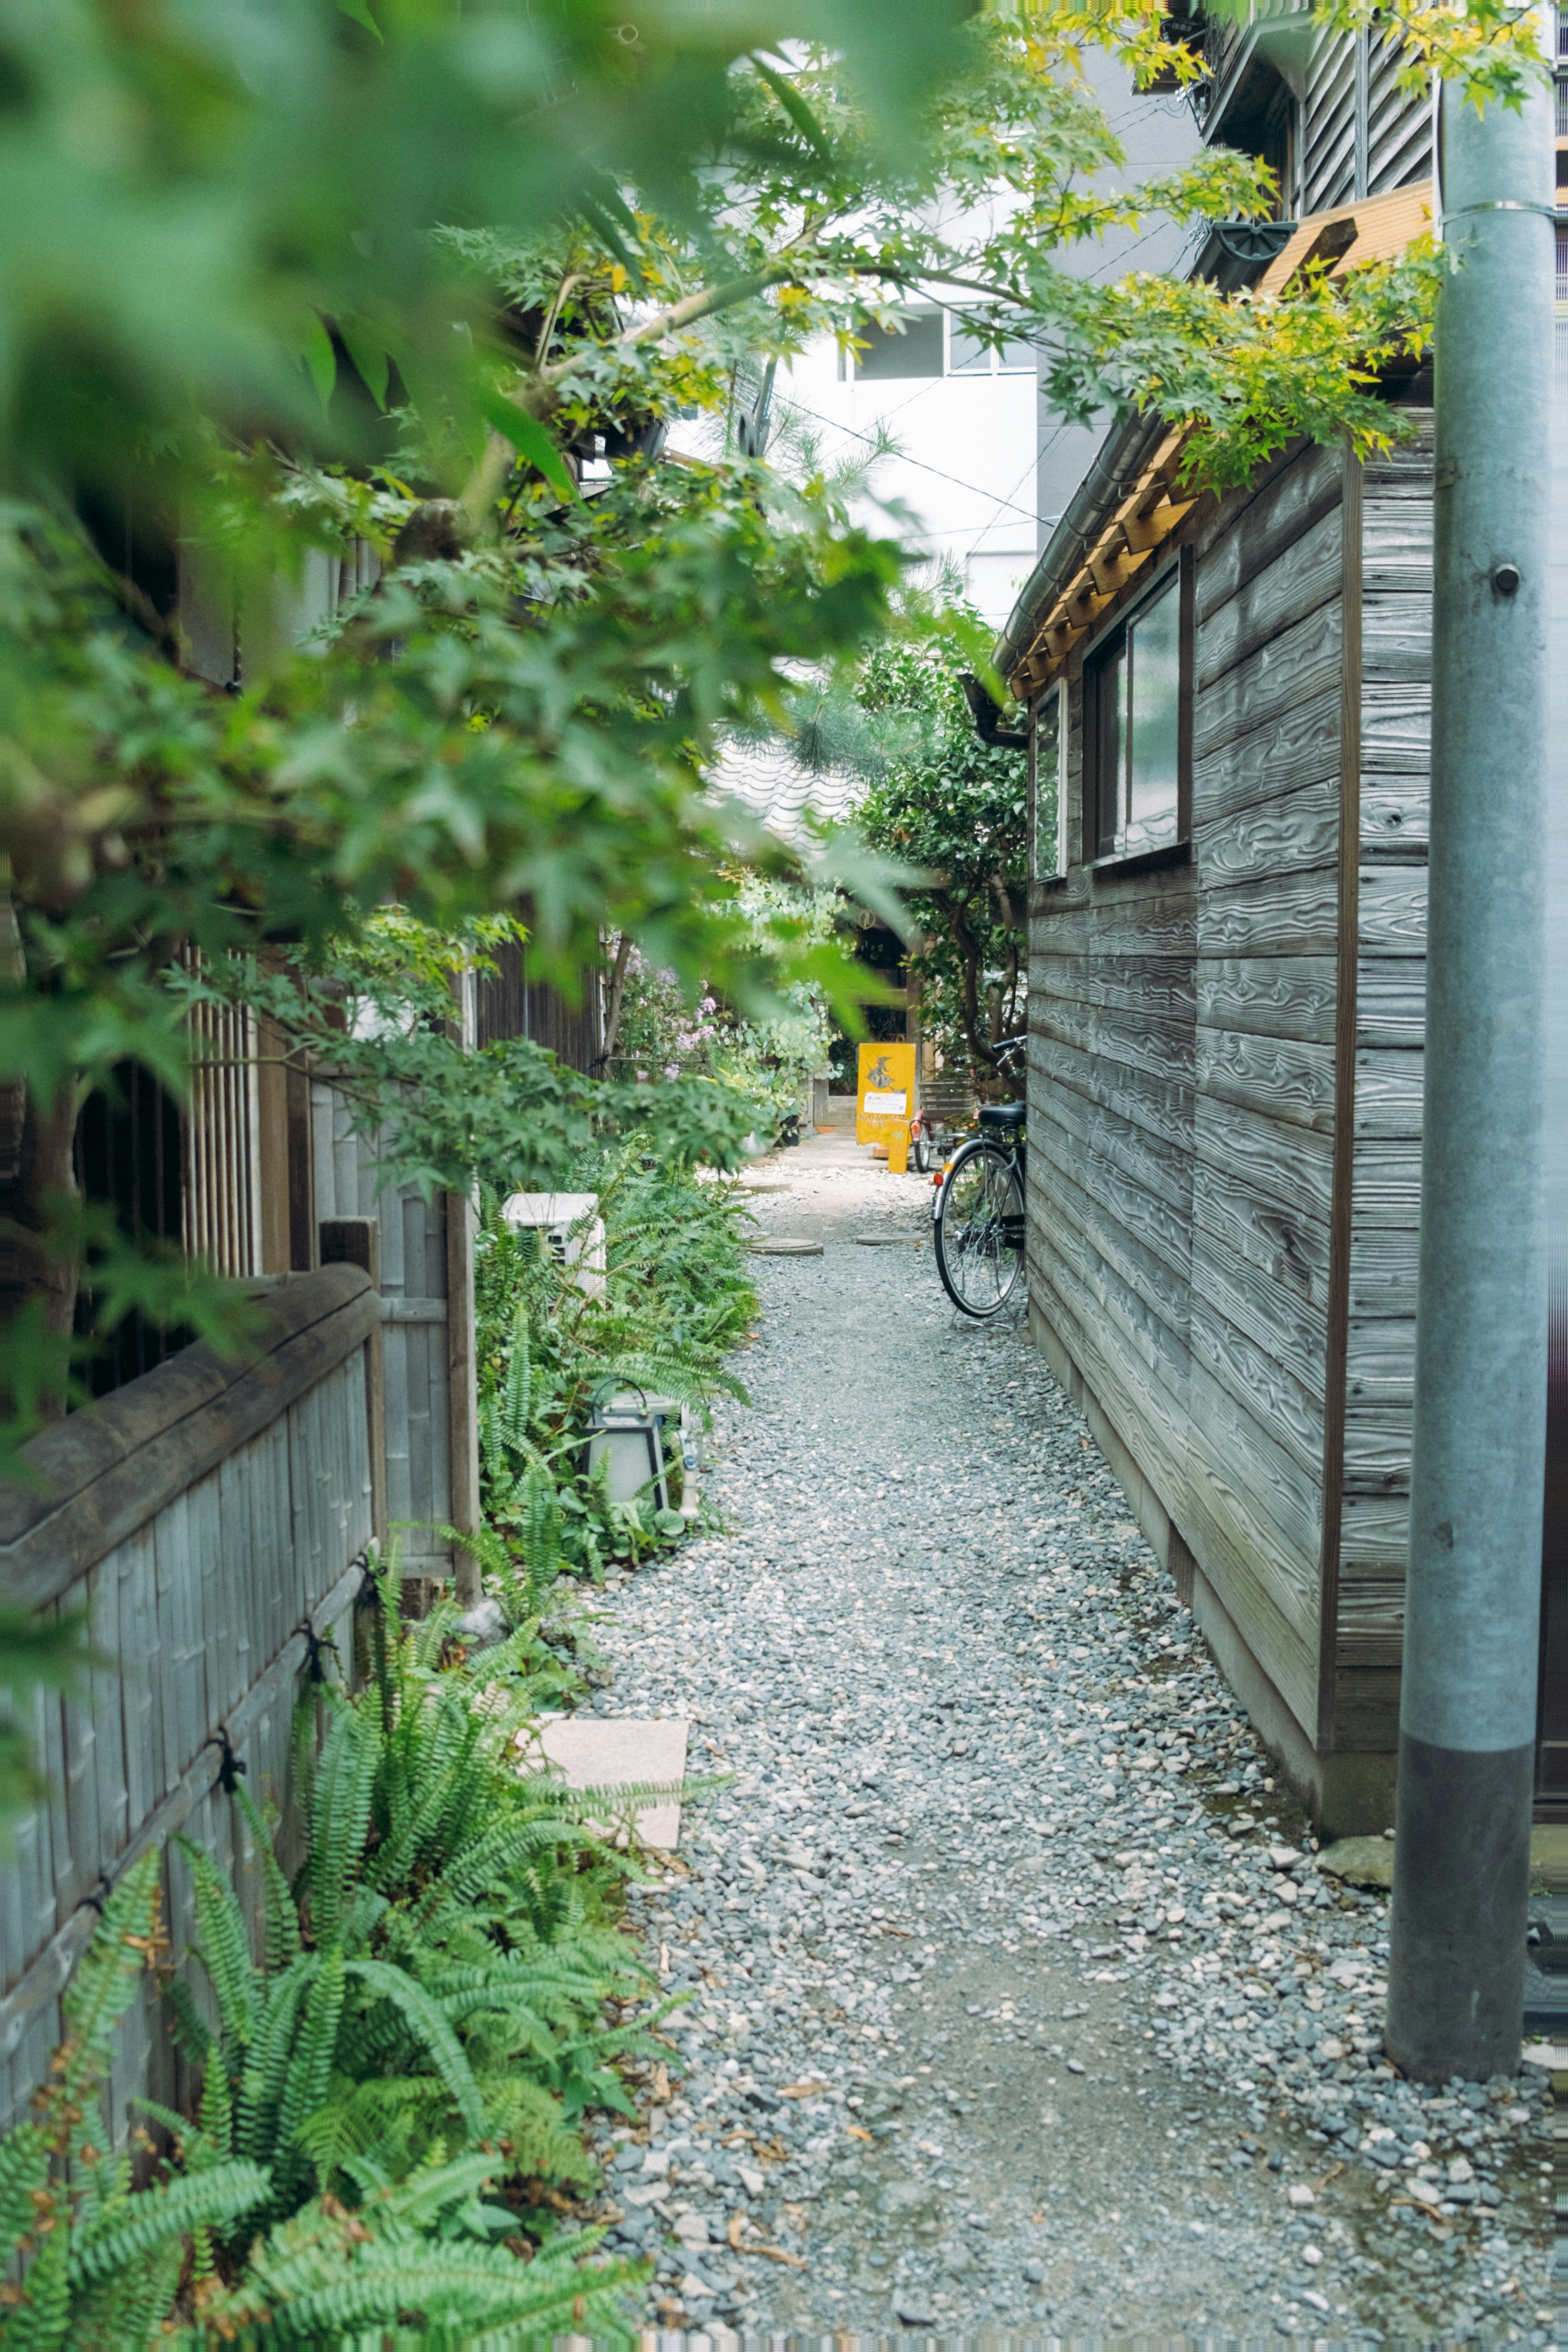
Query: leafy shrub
<point x="677" y="1298"/>
<point x="429" y="2019"/>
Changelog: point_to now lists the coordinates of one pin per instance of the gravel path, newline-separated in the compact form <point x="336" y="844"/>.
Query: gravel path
<point x="1019" y="2002"/>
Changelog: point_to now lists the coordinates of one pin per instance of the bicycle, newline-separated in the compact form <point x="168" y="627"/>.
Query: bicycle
<point x="928" y="1139"/>
<point x="977" y="1215"/>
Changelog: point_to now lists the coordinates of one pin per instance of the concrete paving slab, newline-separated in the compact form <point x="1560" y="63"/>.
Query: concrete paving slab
<point x="623" y="1752"/>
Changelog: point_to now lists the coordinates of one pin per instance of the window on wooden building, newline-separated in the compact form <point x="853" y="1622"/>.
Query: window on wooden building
<point x="1136" y="692"/>
<point x="1051" y="767"/>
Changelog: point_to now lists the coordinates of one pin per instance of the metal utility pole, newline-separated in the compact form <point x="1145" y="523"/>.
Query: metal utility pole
<point x="1473" y="1596"/>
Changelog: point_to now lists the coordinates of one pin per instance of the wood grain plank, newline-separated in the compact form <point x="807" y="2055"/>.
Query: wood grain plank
<point x="1150" y="1257"/>
<point x="1383" y="1271"/>
<point x="1374" y="1534"/>
<point x="1396" y="637"/>
<point x="1290" y="835"/>
<point x="1391" y="1002"/>
<point x="1104" y="925"/>
<point x="1252" y="531"/>
<point x="1396" y="819"/>
<point x="1300" y="576"/>
<point x="1267" y="1490"/>
<point x="1380" y="1364"/>
<point x="1256" y="1378"/>
<point x="1156" y="1170"/>
<point x="79" y="1733"/>
<point x="1159" y="986"/>
<point x="1370" y="1629"/>
<point x="1238" y="1560"/>
<point x="1405" y="471"/>
<point x="1165" y="1107"/>
<point x="1269" y="996"/>
<point x="1387" y="1182"/>
<point x="1392" y="910"/>
<point x="1377" y="1450"/>
<point x="1290" y="1166"/>
<point x="1152" y="1423"/>
<point x="1107" y="1202"/>
<point x="1290" y="670"/>
<point x="1275" y="1319"/>
<point x="1395" y="730"/>
<point x="1396" y="545"/>
<point x="1296" y="915"/>
<point x="1282" y="1078"/>
<point x="1160" y="1049"/>
<point x="1298" y="748"/>
<point x="1069" y="1252"/>
<point x="1388" y="1092"/>
<point x="1292" y="1249"/>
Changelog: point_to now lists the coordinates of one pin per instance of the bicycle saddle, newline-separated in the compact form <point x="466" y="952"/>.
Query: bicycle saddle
<point x="1003" y="1115"/>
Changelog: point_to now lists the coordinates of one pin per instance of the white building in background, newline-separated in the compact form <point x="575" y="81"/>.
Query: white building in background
<point x="984" y="469"/>
<point x="963" y="419"/>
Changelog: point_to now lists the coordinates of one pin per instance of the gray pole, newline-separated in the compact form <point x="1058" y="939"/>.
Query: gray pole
<point x="1473" y="1597"/>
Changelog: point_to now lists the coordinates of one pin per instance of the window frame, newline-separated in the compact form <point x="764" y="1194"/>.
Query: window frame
<point x="993" y="361"/>
<point x="1050" y="719"/>
<point x="1106" y="845"/>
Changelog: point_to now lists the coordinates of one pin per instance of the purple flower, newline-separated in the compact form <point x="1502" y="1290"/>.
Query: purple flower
<point x="672" y="1071"/>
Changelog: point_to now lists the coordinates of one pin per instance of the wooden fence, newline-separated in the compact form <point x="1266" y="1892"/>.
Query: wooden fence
<point x="421" y="1258"/>
<point x="211" y="1520"/>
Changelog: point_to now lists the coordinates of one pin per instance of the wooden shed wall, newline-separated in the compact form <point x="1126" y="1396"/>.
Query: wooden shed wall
<point x="1181" y="1106"/>
<point x="1225" y="1113"/>
<point x="1395" y="705"/>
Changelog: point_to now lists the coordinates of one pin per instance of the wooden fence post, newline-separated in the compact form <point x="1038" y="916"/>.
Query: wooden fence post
<point x="356" y="1241"/>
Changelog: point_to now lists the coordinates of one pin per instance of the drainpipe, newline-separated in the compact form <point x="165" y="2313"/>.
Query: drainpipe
<point x="1473" y="1592"/>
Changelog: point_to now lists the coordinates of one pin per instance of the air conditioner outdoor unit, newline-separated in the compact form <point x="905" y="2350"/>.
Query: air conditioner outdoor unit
<point x="574" y="1232"/>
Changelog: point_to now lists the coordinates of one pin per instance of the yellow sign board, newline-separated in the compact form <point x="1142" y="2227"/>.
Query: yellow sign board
<point x="885" y="1100"/>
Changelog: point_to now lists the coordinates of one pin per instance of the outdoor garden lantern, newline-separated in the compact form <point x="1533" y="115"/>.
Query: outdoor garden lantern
<point x="628" y="1430"/>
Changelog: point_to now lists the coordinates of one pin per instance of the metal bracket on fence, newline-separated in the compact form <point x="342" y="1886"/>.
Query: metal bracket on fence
<point x="231" y="1765"/>
<point x="314" y="1644"/>
<point x="96" y="1902"/>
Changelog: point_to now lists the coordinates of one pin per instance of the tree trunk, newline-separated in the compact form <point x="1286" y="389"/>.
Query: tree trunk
<point x="614" y="1001"/>
<point x="38" y="1182"/>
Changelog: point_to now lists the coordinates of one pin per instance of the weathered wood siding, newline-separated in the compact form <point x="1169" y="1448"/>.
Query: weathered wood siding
<point x="1394" y="725"/>
<point x="1225" y="1084"/>
<point x="1182" y="1102"/>
<point x="1361" y="134"/>
<point x="199" y="1517"/>
<point x="412" y="1277"/>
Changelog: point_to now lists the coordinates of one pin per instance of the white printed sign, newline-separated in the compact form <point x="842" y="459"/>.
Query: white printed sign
<point x="886" y="1105"/>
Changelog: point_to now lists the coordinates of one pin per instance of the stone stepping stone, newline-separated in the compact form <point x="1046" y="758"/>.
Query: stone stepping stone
<point x="623" y="1752"/>
<point x="780" y="1246"/>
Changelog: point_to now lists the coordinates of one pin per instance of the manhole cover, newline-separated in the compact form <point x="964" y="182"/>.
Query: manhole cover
<point x="781" y="1248"/>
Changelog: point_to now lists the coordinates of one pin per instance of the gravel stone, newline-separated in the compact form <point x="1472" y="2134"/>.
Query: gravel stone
<point x="992" y="1911"/>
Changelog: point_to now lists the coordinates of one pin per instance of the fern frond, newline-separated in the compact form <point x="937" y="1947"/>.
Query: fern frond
<point x="101" y="1991"/>
<point x="280" y="1919"/>
<point x="149" y="2220"/>
<point x="431" y="2027"/>
<point x="340" y="1812"/>
<point x="310" y="2060"/>
<point x="224" y="1950"/>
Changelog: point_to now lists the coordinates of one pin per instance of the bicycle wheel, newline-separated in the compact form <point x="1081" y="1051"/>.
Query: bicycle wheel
<point x="920" y="1150"/>
<point x="979" y="1231"/>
